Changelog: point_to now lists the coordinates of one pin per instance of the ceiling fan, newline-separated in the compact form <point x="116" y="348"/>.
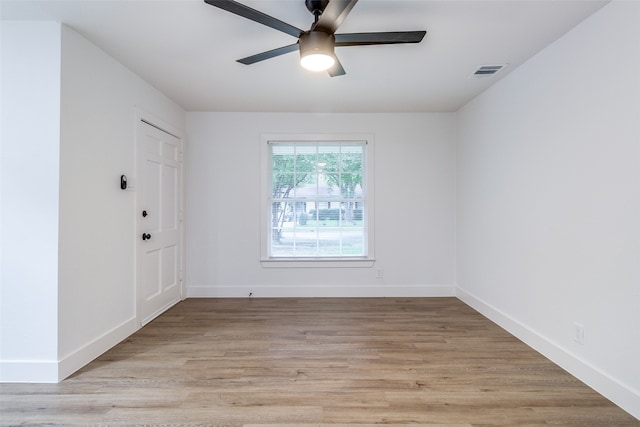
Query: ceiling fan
<point x="317" y="44"/>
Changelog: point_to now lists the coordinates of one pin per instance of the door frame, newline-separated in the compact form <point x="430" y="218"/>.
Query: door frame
<point x="154" y="121"/>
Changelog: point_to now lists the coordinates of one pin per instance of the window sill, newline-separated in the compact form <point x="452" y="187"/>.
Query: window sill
<point x="317" y="263"/>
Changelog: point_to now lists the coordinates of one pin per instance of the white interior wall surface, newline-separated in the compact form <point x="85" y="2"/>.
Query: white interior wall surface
<point x="68" y="231"/>
<point x="414" y="206"/>
<point x="548" y="202"/>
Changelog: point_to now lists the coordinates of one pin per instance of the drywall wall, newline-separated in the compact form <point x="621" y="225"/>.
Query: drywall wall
<point x="414" y="206"/>
<point x="100" y="102"/>
<point x="29" y="225"/>
<point x="68" y="231"/>
<point x="548" y="174"/>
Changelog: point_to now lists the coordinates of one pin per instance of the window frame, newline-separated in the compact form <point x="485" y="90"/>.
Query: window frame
<point x="265" y="205"/>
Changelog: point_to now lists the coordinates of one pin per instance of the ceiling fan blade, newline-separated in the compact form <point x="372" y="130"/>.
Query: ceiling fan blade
<point x="333" y="15"/>
<point x="392" y="37"/>
<point x="255" y="15"/>
<point x="268" y="54"/>
<point x="337" y="69"/>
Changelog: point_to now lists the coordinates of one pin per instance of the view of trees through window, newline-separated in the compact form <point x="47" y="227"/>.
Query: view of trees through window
<point x="317" y="199"/>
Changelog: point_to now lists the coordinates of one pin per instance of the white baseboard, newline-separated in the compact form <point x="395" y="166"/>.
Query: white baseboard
<point x="28" y="371"/>
<point x="82" y="356"/>
<point x="401" y="291"/>
<point x="613" y="389"/>
<point x="158" y="312"/>
<point x="36" y="371"/>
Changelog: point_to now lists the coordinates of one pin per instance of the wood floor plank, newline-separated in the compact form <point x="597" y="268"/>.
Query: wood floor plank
<point x="315" y="363"/>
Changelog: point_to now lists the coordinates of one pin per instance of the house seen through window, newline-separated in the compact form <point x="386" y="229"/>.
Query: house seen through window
<point x="318" y="199"/>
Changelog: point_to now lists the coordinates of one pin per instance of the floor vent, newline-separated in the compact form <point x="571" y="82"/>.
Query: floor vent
<point x="487" y="70"/>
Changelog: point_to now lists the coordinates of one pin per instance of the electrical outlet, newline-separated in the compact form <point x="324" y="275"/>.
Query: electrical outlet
<point x="578" y="333"/>
<point x="379" y="273"/>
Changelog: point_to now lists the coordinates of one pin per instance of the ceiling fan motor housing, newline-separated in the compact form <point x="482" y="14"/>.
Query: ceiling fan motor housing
<point x="313" y="42"/>
<point x="316" y="42"/>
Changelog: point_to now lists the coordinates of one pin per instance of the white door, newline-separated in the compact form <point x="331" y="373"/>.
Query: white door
<point x="159" y="221"/>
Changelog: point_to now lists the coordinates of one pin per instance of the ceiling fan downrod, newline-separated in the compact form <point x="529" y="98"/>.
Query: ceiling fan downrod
<point x="316" y="7"/>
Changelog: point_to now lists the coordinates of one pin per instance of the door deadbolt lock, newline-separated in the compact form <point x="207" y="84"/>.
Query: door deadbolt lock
<point x="146" y="236"/>
<point x="144" y="214"/>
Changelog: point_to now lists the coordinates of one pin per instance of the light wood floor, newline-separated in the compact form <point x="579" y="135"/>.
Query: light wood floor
<point x="314" y="362"/>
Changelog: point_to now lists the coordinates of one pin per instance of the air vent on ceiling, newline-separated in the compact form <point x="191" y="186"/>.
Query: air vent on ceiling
<point x="487" y="70"/>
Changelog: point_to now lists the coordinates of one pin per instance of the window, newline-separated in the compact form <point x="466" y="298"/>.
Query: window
<point x="318" y="203"/>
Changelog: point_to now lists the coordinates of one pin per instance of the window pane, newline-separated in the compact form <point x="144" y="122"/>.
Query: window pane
<point x="329" y="242"/>
<point x="307" y="186"/>
<point x="306" y="159"/>
<point x="353" y="242"/>
<point x="282" y="184"/>
<point x="328" y="158"/>
<point x="282" y="158"/>
<point x="351" y="186"/>
<point x="351" y="159"/>
<point x="332" y="185"/>
<point x="351" y="216"/>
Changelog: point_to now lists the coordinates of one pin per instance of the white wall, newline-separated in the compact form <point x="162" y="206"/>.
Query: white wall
<point x="548" y="202"/>
<point x="68" y="231"/>
<point x="414" y="206"/>
<point x="100" y="98"/>
<point x="29" y="197"/>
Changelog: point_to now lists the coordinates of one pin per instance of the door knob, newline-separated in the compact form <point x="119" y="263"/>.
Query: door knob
<point x="146" y="236"/>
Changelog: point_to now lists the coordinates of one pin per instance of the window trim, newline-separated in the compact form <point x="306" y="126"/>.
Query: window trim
<point x="265" y="198"/>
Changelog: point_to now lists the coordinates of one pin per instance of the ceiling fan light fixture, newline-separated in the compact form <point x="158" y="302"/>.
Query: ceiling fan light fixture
<point x="317" y="62"/>
<point x="316" y="50"/>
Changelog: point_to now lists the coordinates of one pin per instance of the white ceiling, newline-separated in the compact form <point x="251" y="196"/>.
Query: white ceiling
<point x="187" y="49"/>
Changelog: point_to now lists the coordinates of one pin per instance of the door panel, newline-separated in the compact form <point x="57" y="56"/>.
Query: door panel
<point x="159" y="269"/>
